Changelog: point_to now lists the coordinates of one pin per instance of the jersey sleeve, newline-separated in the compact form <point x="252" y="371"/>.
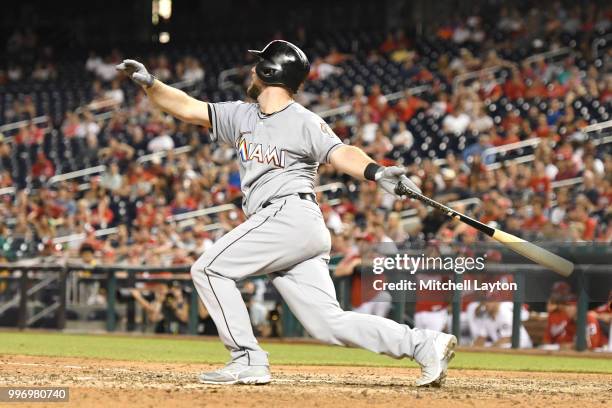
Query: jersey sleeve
<point x="320" y="138"/>
<point x="224" y="121"/>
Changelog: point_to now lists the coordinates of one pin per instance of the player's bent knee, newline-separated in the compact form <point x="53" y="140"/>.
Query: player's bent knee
<point x="324" y="335"/>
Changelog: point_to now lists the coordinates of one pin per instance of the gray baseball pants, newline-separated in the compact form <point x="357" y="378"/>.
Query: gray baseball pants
<point x="289" y="242"/>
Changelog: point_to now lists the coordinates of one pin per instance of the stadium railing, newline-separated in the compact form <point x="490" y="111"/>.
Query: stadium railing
<point x="186" y="219"/>
<point x="347" y="107"/>
<point x="462" y="78"/>
<point x="31" y="278"/>
<point x="534" y="142"/>
<point x="105" y="115"/>
<point x="9" y="127"/>
<point x="548" y="55"/>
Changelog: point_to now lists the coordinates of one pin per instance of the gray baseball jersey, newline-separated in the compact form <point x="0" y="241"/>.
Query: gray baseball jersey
<point x="286" y="240"/>
<point x="278" y="154"/>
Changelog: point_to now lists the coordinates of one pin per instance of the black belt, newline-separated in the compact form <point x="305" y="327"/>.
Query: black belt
<point x="303" y="196"/>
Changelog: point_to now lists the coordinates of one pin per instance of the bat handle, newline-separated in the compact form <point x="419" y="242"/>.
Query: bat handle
<point x="401" y="189"/>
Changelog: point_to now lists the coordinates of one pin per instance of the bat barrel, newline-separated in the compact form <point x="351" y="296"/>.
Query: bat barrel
<point x="527" y="249"/>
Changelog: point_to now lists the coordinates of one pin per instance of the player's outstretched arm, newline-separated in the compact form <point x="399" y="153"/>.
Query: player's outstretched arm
<point x="171" y="100"/>
<point x="350" y="160"/>
<point x="353" y="161"/>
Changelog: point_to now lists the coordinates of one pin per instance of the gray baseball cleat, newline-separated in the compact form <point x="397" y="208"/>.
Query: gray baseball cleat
<point x="234" y="373"/>
<point x="435" y="364"/>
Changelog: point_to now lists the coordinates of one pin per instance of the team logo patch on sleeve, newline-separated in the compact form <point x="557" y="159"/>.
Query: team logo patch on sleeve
<point x="326" y="129"/>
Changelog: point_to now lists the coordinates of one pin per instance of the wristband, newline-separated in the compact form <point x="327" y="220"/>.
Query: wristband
<point x="370" y="171"/>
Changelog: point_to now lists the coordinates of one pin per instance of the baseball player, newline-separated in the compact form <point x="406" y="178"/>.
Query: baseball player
<point x="280" y="145"/>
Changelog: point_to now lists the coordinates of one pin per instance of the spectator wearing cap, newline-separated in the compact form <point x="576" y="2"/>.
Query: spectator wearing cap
<point x="594" y="334"/>
<point x="558" y="330"/>
<point x="561" y="324"/>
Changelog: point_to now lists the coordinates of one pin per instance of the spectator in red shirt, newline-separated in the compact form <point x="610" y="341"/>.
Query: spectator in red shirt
<point x="560" y="329"/>
<point x="540" y="183"/>
<point x="407" y="107"/>
<point x="536" y="90"/>
<point x="537" y="219"/>
<point x="43" y="168"/>
<point x="116" y="150"/>
<point x="561" y="326"/>
<point x="375" y="94"/>
<point x="542" y="129"/>
<point x="102" y="215"/>
<point x="594" y="335"/>
<point x="390" y="44"/>
<point x="182" y="203"/>
<point x="512" y="136"/>
<point x="514" y="87"/>
<point x="71" y="125"/>
<point x="490" y="88"/>
<point x="580" y="215"/>
<point x="30" y="135"/>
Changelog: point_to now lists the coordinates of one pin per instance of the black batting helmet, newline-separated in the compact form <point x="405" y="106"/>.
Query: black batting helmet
<point x="282" y="63"/>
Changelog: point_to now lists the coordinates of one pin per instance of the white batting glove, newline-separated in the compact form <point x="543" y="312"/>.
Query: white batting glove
<point x="388" y="177"/>
<point x="137" y="72"/>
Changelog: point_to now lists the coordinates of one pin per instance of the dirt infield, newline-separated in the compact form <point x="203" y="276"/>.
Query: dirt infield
<point x="103" y="383"/>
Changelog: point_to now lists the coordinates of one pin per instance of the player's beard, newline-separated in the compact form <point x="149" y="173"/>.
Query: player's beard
<point x="254" y="90"/>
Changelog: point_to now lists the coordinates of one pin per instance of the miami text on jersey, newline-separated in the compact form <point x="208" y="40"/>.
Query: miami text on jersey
<point x="255" y="151"/>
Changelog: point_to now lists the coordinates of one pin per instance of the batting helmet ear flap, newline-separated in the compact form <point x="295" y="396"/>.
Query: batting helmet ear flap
<point x="283" y="64"/>
<point x="268" y="70"/>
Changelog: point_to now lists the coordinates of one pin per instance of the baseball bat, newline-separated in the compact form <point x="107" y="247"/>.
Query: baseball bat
<point x="538" y="255"/>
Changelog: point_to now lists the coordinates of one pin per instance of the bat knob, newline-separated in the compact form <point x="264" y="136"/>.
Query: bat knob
<point x="399" y="189"/>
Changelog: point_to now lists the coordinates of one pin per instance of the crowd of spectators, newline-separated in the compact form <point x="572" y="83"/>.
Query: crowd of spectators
<point x="519" y="99"/>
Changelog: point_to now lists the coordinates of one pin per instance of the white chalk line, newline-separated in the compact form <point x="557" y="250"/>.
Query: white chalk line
<point x="72" y="367"/>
